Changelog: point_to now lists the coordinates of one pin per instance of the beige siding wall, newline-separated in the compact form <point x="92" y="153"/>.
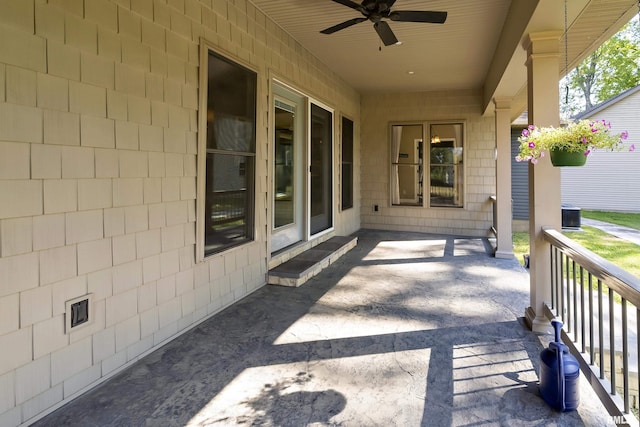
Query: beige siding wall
<point x="378" y="111"/>
<point x="98" y="145"/>
<point x="608" y="181"/>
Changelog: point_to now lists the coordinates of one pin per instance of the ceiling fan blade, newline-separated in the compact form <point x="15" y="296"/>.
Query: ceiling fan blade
<point x="418" y="16"/>
<point x="384" y="31"/>
<point x="343" y="25"/>
<point x="351" y="4"/>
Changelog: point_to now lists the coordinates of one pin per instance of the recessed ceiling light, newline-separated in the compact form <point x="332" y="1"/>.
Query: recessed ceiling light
<point x="411" y="73"/>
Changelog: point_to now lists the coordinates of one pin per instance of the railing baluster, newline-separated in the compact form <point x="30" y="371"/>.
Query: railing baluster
<point x="575" y="302"/>
<point x="600" y="330"/>
<point x="552" y="250"/>
<point x="612" y="342"/>
<point x="583" y="337"/>
<point x="566" y="258"/>
<point x="558" y="281"/>
<point x="625" y="357"/>
<point x="568" y="286"/>
<point x="561" y="284"/>
<point x="591" y="344"/>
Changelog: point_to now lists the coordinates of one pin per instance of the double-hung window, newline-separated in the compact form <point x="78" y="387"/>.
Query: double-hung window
<point x="227" y="150"/>
<point x="446" y="168"/>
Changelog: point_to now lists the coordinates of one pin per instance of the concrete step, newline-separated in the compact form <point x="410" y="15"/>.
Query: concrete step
<point x="303" y="267"/>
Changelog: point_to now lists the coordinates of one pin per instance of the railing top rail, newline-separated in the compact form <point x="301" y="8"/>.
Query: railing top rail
<point x="621" y="281"/>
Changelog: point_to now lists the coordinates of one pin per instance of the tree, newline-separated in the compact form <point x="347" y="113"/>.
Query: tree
<point x="611" y="69"/>
<point x="585" y="75"/>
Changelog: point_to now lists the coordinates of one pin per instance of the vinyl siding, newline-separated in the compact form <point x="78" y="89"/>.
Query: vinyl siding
<point x="609" y="180"/>
<point x="519" y="180"/>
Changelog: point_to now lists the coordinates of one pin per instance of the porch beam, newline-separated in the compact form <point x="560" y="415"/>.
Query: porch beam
<point x="504" y="238"/>
<point x="504" y="76"/>
<point x="543" y="55"/>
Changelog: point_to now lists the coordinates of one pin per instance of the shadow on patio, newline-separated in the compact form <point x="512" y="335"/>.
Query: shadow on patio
<point x="407" y="329"/>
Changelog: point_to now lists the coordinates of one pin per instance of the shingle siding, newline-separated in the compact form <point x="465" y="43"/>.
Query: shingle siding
<point x="378" y="111"/>
<point x="98" y="131"/>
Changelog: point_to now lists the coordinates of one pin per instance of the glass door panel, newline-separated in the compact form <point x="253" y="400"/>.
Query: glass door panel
<point x="288" y="198"/>
<point x="283" y="194"/>
<point x="321" y="170"/>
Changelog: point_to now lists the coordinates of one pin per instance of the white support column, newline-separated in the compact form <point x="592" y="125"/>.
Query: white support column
<point x="503" y="178"/>
<point x="544" y="179"/>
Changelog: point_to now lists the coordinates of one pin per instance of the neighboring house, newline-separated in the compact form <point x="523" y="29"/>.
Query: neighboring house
<point x="519" y="180"/>
<point x="609" y="180"/>
<point x="162" y="155"/>
<point x="606" y="181"/>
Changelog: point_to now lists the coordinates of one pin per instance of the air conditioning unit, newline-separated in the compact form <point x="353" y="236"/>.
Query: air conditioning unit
<point x="570" y="217"/>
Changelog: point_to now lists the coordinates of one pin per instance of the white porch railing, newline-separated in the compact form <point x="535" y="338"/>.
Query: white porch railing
<point x="593" y="298"/>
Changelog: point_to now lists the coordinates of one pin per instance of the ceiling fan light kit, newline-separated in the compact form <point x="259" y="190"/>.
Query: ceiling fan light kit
<point x="377" y="10"/>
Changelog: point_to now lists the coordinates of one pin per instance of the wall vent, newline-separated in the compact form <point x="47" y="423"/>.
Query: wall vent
<point x="78" y="313"/>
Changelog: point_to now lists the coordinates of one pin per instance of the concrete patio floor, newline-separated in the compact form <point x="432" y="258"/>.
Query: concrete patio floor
<point x="406" y="329"/>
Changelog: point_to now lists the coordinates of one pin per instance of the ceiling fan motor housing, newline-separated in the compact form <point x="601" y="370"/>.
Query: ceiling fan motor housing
<point x="376" y="10"/>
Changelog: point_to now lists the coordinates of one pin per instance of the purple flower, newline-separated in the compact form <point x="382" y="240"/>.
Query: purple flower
<point x="594" y="130"/>
<point x="633" y="147"/>
<point x="534" y="161"/>
<point x="525" y="132"/>
<point x="624" y="134"/>
<point x="584" y="140"/>
<point x="586" y="153"/>
<point x="531" y="127"/>
<point x="532" y="144"/>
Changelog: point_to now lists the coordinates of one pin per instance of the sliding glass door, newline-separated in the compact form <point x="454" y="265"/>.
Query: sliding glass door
<point x="321" y="170"/>
<point x="302" y="168"/>
<point x="288" y="204"/>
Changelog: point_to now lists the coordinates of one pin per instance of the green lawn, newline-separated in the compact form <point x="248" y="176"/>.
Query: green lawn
<point x="520" y="245"/>
<point x="627" y="219"/>
<point x="620" y="252"/>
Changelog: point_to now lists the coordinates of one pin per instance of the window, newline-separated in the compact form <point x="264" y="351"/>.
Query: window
<point x="347" y="163"/>
<point x="436" y="166"/>
<point x="227" y="154"/>
<point x="406" y="164"/>
<point x="446" y="171"/>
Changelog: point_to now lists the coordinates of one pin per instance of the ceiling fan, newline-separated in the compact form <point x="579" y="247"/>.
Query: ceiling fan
<point x="377" y="10"/>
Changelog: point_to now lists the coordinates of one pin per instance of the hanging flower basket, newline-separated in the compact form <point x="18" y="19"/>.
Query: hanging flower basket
<point x="567" y="158"/>
<point x="569" y="145"/>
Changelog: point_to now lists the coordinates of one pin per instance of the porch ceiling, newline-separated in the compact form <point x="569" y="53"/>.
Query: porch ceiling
<point x="479" y="46"/>
<point x="453" y="55"/>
